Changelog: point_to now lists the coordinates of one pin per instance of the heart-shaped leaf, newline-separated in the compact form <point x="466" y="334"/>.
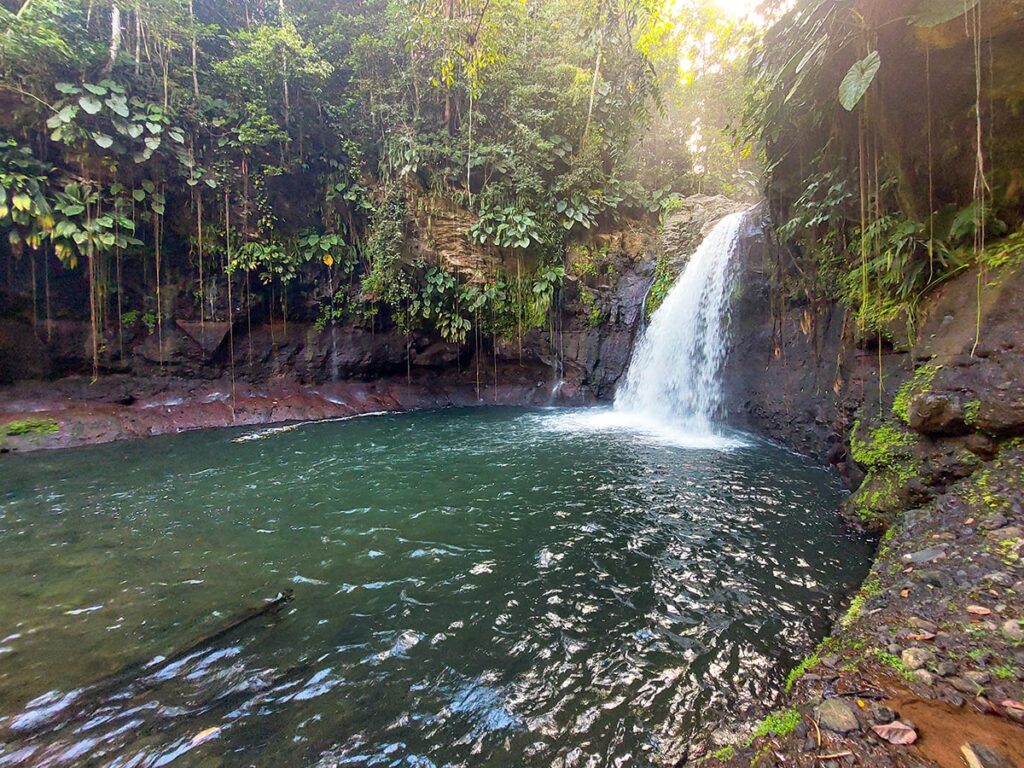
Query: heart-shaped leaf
<point x="90" y="104"/>
<point x="858" y="80"/>
<point x="118" y="105"/>
<point x="99" y="90"/>
<point x="67" y="88"/>
<point x="102" y="140"/>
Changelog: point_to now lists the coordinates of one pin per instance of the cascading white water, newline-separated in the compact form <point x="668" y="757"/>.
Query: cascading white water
<point x="673" y="377"/>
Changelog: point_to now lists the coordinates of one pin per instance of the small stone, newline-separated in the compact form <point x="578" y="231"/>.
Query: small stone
<point x="836" y="715"/>
<point x="923" y="676"/>
<point x="953" y="698"/>
<point x="980" y="756"/>
<point x="964" y="685"/>
<point x="1009" y="532"/>
<point x="1013" y="630"/>
<point x="925" y="555"/>
<point x="945" y="668"/>
<point x="882" y="714"/>
<point x="998" y="578"/>
<point x="916" y="658"/>
<point x="991" y="523"/>
<point x="978" y="677"/>
<point x="932" y="578"/>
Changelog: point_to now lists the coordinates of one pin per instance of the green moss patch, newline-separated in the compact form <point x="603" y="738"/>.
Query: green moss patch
<point x="781" y="723"/>
<point x="26" y="427"/>
<point x="920" y="382"/>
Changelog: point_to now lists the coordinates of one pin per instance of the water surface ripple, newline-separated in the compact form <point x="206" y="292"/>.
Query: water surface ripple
<point x="486" y="587"/>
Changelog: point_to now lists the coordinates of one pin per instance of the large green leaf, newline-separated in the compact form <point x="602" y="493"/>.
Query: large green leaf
<point x="118" y="105"/>
<point x="858" y="80"/>
<point x="931" y="13"/>
<point x="90" y="104"/>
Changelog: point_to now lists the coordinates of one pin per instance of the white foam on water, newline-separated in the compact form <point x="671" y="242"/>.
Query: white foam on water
<point x="672" y="391"/>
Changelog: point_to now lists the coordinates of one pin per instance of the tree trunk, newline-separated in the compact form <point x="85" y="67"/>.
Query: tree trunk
<point x="115" y="39"/>
<point x="195" y="73"/>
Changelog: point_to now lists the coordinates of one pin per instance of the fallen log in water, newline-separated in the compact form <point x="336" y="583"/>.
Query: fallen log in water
<point x="130" y="681"/>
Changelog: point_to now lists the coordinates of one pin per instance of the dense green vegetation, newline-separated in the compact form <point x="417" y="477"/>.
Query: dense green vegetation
<point x="429" y="167"/>
<point x="892" y="132"/>
<point x="194" y="159"/>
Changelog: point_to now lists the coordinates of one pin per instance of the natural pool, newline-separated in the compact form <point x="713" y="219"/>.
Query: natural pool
<point x="481" y="587"/>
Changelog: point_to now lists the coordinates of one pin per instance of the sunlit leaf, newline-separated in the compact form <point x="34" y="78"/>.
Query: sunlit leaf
<point x="858" y="80"/>
<point x="90" y="104"/>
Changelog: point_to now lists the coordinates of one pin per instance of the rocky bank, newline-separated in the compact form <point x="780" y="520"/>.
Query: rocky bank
<point x="926" y="666"/>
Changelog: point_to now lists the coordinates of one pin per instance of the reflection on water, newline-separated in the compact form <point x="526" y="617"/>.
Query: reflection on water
<point x="486" y="587"/>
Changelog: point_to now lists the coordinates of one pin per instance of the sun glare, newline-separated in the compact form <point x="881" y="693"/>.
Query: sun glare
<point x="740" y="9"/>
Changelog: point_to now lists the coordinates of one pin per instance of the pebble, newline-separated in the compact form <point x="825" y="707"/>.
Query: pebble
<point x="964" y="686"/>
<point x="996" y="521"/>
<point x="925" y="555"/>
<point x="836" y="715"/>
<point x="932" y="578"/>
<point x="980" y="756"/>
<point x="945" y="668"/>
<point x="1013" y="630"/>
<point x="998" y="578"/>
<point x="978" y="677"/>
<point x="882" y="714"/>
<point x="916" y="658"/>
<point x="923" y="676"/>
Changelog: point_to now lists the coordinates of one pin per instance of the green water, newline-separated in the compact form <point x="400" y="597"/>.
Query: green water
<point x="487" y="587"/>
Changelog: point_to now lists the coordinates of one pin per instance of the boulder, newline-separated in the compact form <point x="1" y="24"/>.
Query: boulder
<point x="936" y="413"/>
<point x="837" y="715"/>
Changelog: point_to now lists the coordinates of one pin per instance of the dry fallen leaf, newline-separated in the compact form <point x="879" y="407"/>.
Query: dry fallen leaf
<point x="1011" y="704"/>
<point x="969" y="521"/>
<point x="204" y="735"/>
<point x="896" y="733"/>
<point x="921" y="636"/>
<point x="978" y="610"/>
<point x="904" y="592"/>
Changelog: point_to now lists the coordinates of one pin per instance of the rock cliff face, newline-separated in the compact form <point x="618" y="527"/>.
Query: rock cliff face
<point x="912" y="415"/>
<point x="926" y="430"/>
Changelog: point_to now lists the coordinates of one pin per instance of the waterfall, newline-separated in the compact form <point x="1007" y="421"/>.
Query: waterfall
<point x="673" y="377"/>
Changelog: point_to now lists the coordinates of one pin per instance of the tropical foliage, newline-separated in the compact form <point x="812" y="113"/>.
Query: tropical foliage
<point x="270" y="154"/>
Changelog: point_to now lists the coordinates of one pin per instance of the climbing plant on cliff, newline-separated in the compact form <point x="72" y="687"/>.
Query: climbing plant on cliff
<point x="844" y="107"/>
